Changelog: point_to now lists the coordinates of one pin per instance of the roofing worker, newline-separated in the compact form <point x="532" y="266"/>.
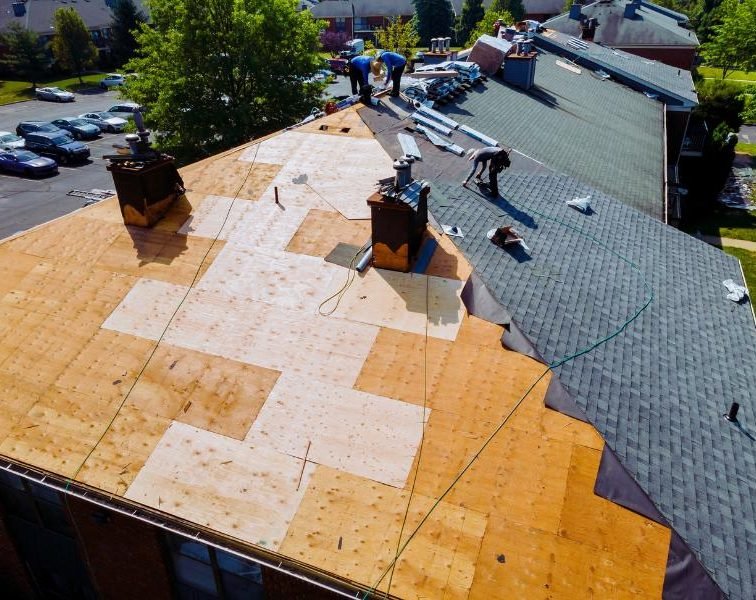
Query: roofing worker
<point x="359" y="71"/>
<point x="395" y="64"/>
<point x="493" y="157"/>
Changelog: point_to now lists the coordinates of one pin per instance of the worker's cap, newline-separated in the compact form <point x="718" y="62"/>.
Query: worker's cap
<point x="379" y="55"/>
<point x="376" y="68"/>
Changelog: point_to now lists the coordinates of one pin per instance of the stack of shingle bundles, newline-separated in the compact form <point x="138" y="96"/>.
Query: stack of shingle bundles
<point x="469" y="72"/>
<point x="417" y="91"/>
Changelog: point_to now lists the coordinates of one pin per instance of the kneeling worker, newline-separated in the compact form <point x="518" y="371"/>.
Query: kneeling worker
<point x="359" y="71"/>
<point x="395" y="64"/>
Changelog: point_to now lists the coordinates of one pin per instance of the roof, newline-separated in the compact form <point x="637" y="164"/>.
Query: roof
<point x="186" y="370"/>
<point x="96" y="14"/>
<point x="390" y="8"/>
<point x="657" y="392"/>
<point x="596" y="131"/>
<point x="651" y="26"/>
<point x="674" y="86"/>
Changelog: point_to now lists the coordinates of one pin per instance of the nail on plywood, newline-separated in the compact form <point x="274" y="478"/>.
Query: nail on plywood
<point x="229" y="176"/>
<point x="247" y="492"/>
<point x="346" y="429"/>
<point x="321" y="231"/>
<point x="368" y="516"/>
<point x="206" y="391"/>
<point x="400" y="300"/>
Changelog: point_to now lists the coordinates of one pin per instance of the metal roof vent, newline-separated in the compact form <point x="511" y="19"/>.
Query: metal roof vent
<point x="575" y="11"/>
<point x="732" y="414"/>
<point x="630" y="10"/>
<point x="19" y="9"/>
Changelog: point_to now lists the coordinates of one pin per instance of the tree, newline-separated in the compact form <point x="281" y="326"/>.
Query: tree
<point x="472" y="13"/>
<point x="215" y="73"/>
<point x="486" y="25"/>
<point x="513" y="7"/>
<point x="72" y="45"/>
<point x="24" y="56"/>
<point x="435" y="18"/>
<point x="126" y="20"/>
<point x="398" y="36"/>
<point x="733" y="45"/>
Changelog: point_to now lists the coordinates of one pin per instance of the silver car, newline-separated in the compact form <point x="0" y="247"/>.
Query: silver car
<point x="11" y="140"/>
<point x="54" y="94"/>
<point x="105" y="121"/>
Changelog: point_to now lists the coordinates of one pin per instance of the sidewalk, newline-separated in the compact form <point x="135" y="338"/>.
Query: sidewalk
<point x="717" y="241"/>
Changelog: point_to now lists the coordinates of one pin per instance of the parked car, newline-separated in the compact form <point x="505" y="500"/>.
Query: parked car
<point x="77" y="128"/>
<point x="55" y="94"/>
<point x="58" y="146"/>
<point x="125" y="110"/>
<point x="112" y="80"/>
<point x="26" y="127"/>
<point x="26" y="163"/>
<point x="10" y="140"/>
<point x="105" y="121"/>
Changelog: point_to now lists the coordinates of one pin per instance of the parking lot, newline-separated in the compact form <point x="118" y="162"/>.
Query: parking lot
<point x="25" y="202"/>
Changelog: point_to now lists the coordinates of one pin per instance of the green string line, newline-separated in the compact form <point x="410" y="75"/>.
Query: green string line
<point x="551" y="366"/>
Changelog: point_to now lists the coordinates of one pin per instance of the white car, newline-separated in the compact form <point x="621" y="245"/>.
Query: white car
<point x="125" y="110"/>
<point x="112" y="80"/>
<point x="105" y="121"/>
<point x="55" y="94"/>
<point x="11" y="140"/>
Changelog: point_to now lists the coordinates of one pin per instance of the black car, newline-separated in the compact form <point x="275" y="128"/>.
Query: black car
<point x="26" y="127"/>
<point x="58" y="146"/>
<point x="78" y="129"/>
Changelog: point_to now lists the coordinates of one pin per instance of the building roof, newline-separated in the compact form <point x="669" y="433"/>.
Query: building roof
<point x="672" y="85"/>
<point x="391" y="8"/>
<point x="38" y="16"/>
<point x="597" y="131"/>
<point x="649" y="27"/>
<point x="191" y="371"/>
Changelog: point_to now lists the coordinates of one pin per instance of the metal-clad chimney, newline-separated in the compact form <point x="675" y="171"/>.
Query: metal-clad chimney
<point x="630" y="10"/>
<point x="575" y="11"/>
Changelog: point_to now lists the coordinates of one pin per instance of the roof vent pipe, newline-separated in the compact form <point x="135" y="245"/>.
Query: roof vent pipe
<point x="630" y="10"/>
<point x="732" y="414"/>
<point x="575" y="11"/>
<point x="403" y="175"/>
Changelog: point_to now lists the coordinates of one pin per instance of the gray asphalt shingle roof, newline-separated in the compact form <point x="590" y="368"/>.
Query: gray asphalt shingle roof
<point x="576" y="124"/>
<point x="656" y="392"/>
<point x="649" y="27"/>
<point x="673" y="85"/>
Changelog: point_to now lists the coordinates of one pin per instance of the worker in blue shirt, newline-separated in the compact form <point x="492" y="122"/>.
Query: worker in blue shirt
<point x="359" y="71"/>
<point x="395" y="64"/>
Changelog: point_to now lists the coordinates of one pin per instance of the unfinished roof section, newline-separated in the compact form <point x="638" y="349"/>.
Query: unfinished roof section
<point x="671" y="85"/>
<point x="192" y="369"/>
<point x="658" y="391"/>
<point x="647" y="26"/>
<point x="594" y="130"/>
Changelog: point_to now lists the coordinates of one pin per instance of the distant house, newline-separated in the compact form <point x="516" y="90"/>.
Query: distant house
<point x="638" y="27"/>
<point x="37" y="16"/>
<point x="363" y="17"/>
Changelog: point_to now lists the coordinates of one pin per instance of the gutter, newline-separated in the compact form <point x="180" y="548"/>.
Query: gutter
<point x="665" y="181"/>
<point x="187" y="530"/>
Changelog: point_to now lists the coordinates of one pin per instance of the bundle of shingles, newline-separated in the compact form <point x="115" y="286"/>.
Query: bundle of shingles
<point x="454" y="78"/>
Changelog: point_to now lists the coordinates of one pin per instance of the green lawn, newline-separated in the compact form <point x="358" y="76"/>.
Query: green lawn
<point x="748" y="260"/>
<point x="745" y="148"/>
<point x="729" y="223"/>
<point x="716" y="73"/>
<point x="14" y="91"/>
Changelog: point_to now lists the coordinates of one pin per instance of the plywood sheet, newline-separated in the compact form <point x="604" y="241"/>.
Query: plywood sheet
<point x="159" y="254"/>
<point x="350" y="526"/>
<point x="604" y="525"/>
<point x="400" y="301"/>
<point x="292" y="281"/>
<point x="125" y="447"/>
<point x="74" y="237"/>
<point x="250" y="493"/>
<point x="228" y="176"/>
<point x="541" y="565"/>
<point x="325" y="349"/>
<point x="14" y="266"/>
<point x="147" y="309"/>
<point x="342" y="170"/>
<point x="322" y="230"/>
<point x="263" y="224"/>
<point x="345" y="122"/>
<point x="18" y="397"/>
<point x="447" y="260"/>
<point x="352" y="431"/>
<point x="212" y="393"/>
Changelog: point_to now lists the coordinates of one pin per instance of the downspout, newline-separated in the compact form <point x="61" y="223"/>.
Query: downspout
<point x="664" y="169"/>
<point x="154" y="519"/>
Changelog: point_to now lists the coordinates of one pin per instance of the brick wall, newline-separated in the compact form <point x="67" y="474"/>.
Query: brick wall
<point x="682" y="58"/>
<point x="126" y="557"/>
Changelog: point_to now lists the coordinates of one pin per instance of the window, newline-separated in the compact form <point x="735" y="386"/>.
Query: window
<point x="361" y="24"/>
<point x="339" y="23"/>
<point x="202" y="572"/>
<point x="38" y="522"/>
